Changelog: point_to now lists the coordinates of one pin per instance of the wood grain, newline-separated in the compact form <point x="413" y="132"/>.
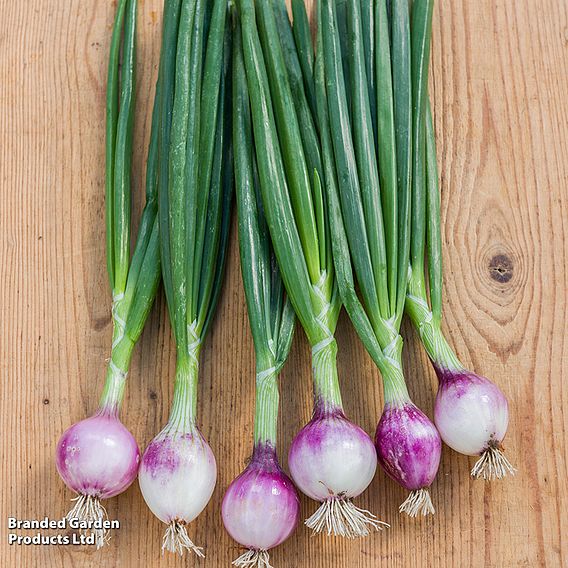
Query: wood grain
<point x="500" y="85"/>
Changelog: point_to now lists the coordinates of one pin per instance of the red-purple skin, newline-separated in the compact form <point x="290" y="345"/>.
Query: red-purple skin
<point x="471" y="412"/>
<point x="408" y="446"/>
<point x="261" y="508"/>
<point x="98" y="456"/>
<point x="163" y="453"/>
<point x="331" y="456"/>
<point x="461" y="382"/>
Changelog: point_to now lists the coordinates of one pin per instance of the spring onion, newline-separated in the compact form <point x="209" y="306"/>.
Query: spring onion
<point x="370" y="213"/>
<point x="261" y="507"/>
<point x="331" y="459"/>
<point x="98" y="457"/>
<point x="471" y="412"/>
<point x="178" y="470"/>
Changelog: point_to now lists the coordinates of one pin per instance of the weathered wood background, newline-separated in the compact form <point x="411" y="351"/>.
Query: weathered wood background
<point x="500" y="86"/>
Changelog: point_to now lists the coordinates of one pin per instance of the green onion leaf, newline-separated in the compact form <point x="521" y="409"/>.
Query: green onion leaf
<point x="434" y="236"/>
<point x="167" y="87"/>
<point x="304" y="49"/>
<point x="386" y="146"/>
<point x="297" y="173"/>
<point x="402" y="91"/>
<point x="277" y="204"/>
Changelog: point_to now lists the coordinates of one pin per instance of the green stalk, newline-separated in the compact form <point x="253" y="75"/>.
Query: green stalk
<point x="112" y="105"/>
<point x="430" y="333"/>
<point x="183" y="414"/>
<point x="346" y="167"/>
<point x="426" y="237"/>
<point x="421" y="39"/>
<point x="368" y="34"/>
<point x="135" y="281"/>
<point x="117" y="370"/>
<point x="270" y="315"/>
<point x="402" y="95"/>
<point x="123" y="152"/>
<point x="267" y="400"/>
<point x="193" y="204"/>
<point x="184" y="118"/>
<point x="168" y="53"/>
<point x="327" y="395"/>
<point x="215" y="253"/>
<point x="386" y="148"/>
<point x="341" y="7"/>
<point x="277" y="204"/>
<point x="304" y="49"/>
<point x="195" y="183"/>
<point x="380" y="340"/>
<point x="297" y="175"/>
<point x="280" y="155"/>
<point x="307" y="127"/>
<point x="433" y="229"/>
<point x="364" y="146"/>
<point x="210" y="157"/>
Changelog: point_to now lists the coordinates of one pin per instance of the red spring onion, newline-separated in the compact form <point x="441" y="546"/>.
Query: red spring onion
<point x="331" y="459"/>
<point x="261" y="507"/>
<point x="368" y="154"/>
<point x="98" y="457"/>
<point x="178" y="470"/>
<point x="471" y="412"/>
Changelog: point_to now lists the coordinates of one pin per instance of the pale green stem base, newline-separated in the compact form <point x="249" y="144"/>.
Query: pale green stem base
<point x="394" y="385"/>
<point x="327" y="396"/>
<point x="266" y="407"/>
<point x="431" y="336"/>
<point x="184" y="407"/>
<point x="117" y="371"/>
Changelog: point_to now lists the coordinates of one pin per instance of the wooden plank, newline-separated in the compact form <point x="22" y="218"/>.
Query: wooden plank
<point x="500" y="84"/>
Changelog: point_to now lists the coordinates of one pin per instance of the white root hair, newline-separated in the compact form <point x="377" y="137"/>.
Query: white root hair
<point x="418" y="502"/>
<point x="176" y="539"/>
<point x="253" y="559"/>
<point x="492" y="465"/>
<point x="338" y="516"/>
<point x="88" y="508"/>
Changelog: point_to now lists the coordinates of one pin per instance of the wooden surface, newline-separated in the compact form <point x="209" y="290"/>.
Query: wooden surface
<point x="500" y="86"/>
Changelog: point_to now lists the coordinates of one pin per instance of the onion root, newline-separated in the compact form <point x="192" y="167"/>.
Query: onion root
<point x="417" y="502"/>
<point x="492" y="465"/>
<point x="88" y="508"/>
<point x="340" y="517"/>
<point x="176" y="539"/>
<point x="253" y="558"/>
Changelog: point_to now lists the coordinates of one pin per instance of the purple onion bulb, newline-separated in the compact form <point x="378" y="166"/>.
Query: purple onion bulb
<point x="472" y="415"/>
<point x="97" y="458"/>
<point x="409" y="449"/>
<point x="260" y="509"/>
<point x="332" y="461"/>
<point x="177" y="477"/>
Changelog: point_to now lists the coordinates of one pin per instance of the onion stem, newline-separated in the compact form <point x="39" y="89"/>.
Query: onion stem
<point x="327" y="396"/>
<point x="430" y="333"/>
<point x="183" y="413"/>
<point x="194" y="180"/>
<point x="270" y="313"/>
<point x="360" y="233"/>
<point x="117" y="370"/>
<point x="134" y="281"/>
<point x="266" y="408"/>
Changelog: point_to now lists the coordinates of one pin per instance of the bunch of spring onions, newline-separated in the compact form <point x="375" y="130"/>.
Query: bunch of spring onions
<point x="471" y="413"/>
<point x="370" y="204"/>
<point x="331" y="460"/>
<point x="261" y="507"/>
<point x="178" y="470"/>
<point x="98" y="457"/>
